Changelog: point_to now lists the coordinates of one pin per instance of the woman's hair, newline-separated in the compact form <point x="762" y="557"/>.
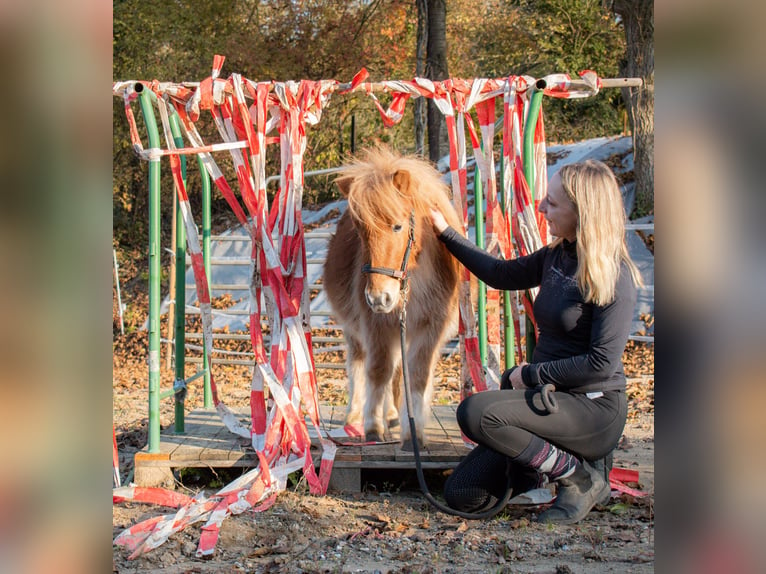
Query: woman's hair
<point x="601" y="247"/>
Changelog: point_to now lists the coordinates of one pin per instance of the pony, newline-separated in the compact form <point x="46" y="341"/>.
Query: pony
<point x="389" y="200"/>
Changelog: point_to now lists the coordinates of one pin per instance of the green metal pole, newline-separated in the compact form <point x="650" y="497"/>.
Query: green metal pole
<point x="508" y="334"/>
<point x="180" y="294"/>
<point x="478" y="206"/>
<point x="154" y="270"/>
<point x="208" y="393"/>
<point x="510" y="353"/>
<point x="533" y="113"/>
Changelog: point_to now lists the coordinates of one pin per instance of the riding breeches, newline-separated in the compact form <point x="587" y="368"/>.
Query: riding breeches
<point x="505" y="421"/>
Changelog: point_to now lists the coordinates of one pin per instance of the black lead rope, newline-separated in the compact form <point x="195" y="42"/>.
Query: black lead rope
<point x="404" y="279"/>
<point x="401" y="275"/>
<point x="416" y="448"/>
<point x="549" y="400"/>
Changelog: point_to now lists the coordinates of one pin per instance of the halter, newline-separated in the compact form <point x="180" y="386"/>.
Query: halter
<point x="401" y="273"/>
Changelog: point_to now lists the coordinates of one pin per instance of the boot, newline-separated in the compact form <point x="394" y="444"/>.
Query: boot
<point x="577" y="495"/>
<point x="604" y="466"/>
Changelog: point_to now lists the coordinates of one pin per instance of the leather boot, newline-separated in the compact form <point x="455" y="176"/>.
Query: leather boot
<point x="604" y="467"/>
<point x="577" y="495"/>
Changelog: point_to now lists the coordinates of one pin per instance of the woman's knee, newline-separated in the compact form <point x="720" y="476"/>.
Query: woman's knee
<point x="481" y="412"/>
<point x="468" y="416"/>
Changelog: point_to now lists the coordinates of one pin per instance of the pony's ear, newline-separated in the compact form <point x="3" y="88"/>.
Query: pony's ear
<point x="344" y="184"/>
<point x="402" y="181"/>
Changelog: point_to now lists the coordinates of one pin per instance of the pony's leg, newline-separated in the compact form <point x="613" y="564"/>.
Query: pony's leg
<point x="421" y="360"/>
<point x="357" y="388"/>
<point x="380" y="370"/>
<point x="393" y="397"/>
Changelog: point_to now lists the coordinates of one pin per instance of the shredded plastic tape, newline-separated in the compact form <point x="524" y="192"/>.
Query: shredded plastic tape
<point x="280" y="435"/>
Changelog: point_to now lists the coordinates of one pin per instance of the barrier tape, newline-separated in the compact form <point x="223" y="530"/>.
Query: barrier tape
<point x="485" y="162"/>
<point x="471" y="371"/>
<point x="512" y="123"/>
<point x="279" y="433"/>
<point x="203" y="293"/>
<point x="116" y="480"/>
<point x="541" y="177"/>
<point x="159" y="496"/>
<point x="283" y="276"/>
<point x="619" y="476"/>
<point x="520" y="224"/>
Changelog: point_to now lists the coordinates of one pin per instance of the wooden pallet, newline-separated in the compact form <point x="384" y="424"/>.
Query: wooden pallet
<point x="207" y="443"/>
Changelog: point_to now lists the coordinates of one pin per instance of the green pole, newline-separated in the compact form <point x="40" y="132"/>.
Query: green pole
<point x="208" y="393"/>
<point x="154" y="270"/>
<point x="533" y="113"/>
<point x="510" y="354"/>
<point x="180" y="294"/>
<point x="508" y="334"/>
<point x="478" y="205"/>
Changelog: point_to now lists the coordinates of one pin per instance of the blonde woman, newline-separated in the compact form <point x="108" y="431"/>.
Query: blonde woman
<point x="583" y="311"/>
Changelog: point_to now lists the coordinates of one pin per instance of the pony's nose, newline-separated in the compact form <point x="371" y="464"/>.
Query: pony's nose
<point x="380" y="301"/>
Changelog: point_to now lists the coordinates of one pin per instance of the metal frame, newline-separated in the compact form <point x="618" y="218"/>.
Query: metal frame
<point x="146" y="98"/>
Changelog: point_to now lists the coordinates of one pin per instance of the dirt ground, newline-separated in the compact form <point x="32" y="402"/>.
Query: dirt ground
<point x="389" y="527"/>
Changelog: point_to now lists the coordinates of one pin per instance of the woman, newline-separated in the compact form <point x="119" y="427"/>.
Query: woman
<point x="583" y="311"/>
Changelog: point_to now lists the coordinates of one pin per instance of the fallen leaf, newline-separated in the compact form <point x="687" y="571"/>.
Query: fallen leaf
<point x="262" y="551"/>
<point x="519" y="523"/>
<point x="619" y="508"/>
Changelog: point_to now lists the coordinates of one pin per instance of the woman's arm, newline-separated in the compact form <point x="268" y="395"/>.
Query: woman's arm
<point x="505" y="274"/>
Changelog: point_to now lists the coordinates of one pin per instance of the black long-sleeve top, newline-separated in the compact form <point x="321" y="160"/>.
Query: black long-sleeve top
<point x="580" y="345"/>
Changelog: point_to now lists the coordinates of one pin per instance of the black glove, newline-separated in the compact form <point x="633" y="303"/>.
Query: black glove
<point x="505" y="379"/>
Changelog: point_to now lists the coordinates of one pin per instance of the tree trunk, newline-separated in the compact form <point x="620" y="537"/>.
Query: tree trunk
<point x="419" y="109"/>
<point x="638" y="20"/>
<point x="436" y="69"/>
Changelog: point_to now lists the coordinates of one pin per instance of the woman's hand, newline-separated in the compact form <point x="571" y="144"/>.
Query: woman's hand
<point x="438" y="221"/>
<point x="515" y="379"/>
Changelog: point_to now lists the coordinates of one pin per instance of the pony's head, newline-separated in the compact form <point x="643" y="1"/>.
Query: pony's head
<point x="388" y="200"/>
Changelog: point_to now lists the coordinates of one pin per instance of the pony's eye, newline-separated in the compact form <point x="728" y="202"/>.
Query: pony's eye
<point x="397" y="227"/>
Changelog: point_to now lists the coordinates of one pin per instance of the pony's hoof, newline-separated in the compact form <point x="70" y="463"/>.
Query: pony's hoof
<point x="393" y="423"/>
<point x="408" y="446"/>
<point x="373" y="436"/>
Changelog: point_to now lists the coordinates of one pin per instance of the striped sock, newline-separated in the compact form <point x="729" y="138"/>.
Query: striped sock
<point x="547" y="459"/>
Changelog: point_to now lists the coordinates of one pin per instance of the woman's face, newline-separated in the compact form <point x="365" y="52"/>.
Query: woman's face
<point x="559" y="211"/>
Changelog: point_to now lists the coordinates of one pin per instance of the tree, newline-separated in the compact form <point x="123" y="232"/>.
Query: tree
<point x="638" y="21"/>
<point x="436" y="69"/>
<point x="418" y="107"/>
<point x="497" y="38"/>
<point x="167" y="41"/>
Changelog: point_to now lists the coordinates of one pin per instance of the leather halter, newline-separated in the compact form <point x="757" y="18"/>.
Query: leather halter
<point x="401" y="273"/>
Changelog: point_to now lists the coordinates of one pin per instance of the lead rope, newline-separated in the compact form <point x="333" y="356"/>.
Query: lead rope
<point x="413" y="432"/>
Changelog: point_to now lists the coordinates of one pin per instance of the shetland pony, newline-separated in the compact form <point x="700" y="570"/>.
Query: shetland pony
<point x="383" y="191"/>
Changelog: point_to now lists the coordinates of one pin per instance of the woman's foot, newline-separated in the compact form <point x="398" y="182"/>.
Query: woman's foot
<point x="577" y="495"/>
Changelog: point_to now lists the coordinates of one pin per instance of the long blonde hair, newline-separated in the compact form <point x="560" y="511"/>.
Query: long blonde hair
<point x="601" y="247"/>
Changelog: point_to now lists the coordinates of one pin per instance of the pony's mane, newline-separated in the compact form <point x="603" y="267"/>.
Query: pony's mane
<point x="375" y="200"/>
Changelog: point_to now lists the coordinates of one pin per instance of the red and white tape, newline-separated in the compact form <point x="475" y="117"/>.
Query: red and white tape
<point x="278" y="431"/>
<point x="285" y="446"/>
